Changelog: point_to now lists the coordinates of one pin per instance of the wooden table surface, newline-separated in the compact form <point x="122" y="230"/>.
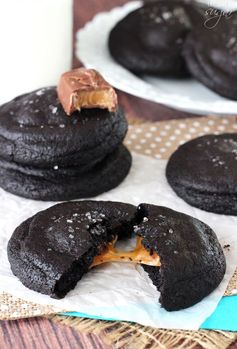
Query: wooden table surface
<point x="40" y="333"/>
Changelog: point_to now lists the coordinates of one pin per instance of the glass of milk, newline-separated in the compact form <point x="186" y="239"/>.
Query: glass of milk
<point x="35" y="44"/>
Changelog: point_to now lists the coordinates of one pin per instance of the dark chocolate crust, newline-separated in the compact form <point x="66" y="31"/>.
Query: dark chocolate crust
<point x="203" y="172"/>
<point x="67" y="183"/>
<point x="150" y="39"/>
<point x="211" y="55"/>
<point x="52" y="250"/>
<point x="35" y="131"/>
<point x="192" y="260"/>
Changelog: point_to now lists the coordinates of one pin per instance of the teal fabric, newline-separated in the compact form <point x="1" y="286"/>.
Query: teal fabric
<point x="77" y="314"/>
<point x="224" y="317"/>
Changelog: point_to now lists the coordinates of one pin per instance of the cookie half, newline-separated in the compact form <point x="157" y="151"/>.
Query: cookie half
<point x="71" y="235"/>
<point x="192" y="260"/>
<point x="203" y="172"/>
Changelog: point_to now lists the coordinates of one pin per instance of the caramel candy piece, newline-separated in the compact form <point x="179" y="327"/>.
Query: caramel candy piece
<point x="139" y="255"/>
<point x="85" y="88"/>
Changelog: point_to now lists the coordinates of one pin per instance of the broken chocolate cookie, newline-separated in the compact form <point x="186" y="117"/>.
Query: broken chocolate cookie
<point x="181" y="254"/>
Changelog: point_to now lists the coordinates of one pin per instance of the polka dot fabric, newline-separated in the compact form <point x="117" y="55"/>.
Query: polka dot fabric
<point x="160" y="139"/>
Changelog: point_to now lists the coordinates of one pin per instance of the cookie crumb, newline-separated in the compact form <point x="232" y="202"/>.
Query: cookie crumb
<point x="227" y="247"/>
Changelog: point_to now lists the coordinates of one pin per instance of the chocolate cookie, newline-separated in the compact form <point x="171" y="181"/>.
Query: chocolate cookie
<point x="71" y="235"/>
<point x="183" y="256"/>
<point x="35" y="131"/>
<point x="150" y="39"/>
<point x="203" y="172"/>
<point x="66" y="183"/>
<point x="192" y="260"/>
<point x="211" y="55"/>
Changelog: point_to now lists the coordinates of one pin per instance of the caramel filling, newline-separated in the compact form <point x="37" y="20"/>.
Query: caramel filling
<point x="103" y="99"/>
<point x="139" y="255"/>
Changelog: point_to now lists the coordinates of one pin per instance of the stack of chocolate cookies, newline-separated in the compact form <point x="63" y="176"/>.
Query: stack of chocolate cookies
<point x="45" y="154"/>
<point x="177" y="38"/>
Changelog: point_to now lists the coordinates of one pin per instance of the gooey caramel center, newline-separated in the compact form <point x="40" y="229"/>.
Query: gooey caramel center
<point x="138" y="256"/>
<point x="95" y="99"/>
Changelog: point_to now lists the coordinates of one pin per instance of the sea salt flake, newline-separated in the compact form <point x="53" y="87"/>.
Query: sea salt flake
<point x="136" y="228"/>
<point x="231" y="42"/>
<point x="167" y="15"/>
<point x="71" y="230"/>
<point x="40" y="92"/>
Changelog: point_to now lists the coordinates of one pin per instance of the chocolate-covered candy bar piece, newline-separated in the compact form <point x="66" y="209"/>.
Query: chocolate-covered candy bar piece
<point x="85" y="88"/>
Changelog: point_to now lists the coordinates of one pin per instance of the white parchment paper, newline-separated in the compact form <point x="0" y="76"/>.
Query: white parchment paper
<point x="122" y="291"/>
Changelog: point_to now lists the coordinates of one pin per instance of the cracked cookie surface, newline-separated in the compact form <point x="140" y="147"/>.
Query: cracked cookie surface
<point x="74" y="235"/>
